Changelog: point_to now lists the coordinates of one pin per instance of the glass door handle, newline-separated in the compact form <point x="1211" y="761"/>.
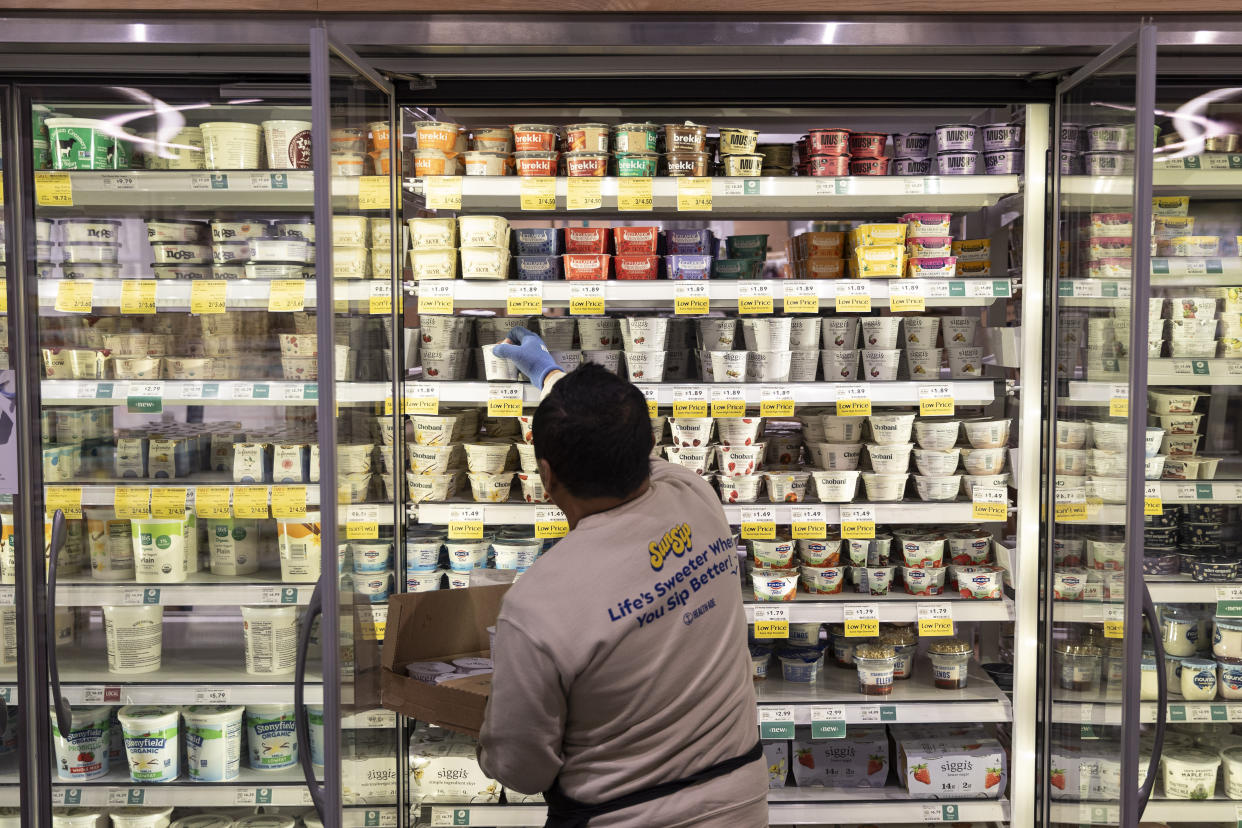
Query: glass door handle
<point x="64" y="714"/>
<point x="1162" y="698"/>
<point x="314" y="609"/>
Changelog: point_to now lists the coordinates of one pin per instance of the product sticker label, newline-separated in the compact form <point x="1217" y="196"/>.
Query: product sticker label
<point x="800" y="297"/>
<point x="755" y="297"/>
<point x="442" y="192"/>
<point x="771" y="622"/>
<point x="584" y="193"/>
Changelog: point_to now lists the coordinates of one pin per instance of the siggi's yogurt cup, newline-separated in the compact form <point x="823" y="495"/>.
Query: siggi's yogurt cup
<point x="152" y="741"/>
<point x="272" y="736"/>
<point x="212" y="742"/>
<point x="840" y="333"/>
<point x="134" y="636"/>
<point x="83" y="752"/>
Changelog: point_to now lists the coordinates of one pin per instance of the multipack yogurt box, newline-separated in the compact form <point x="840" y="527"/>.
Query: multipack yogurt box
<point x="954" y="768"/>
<point x="860" y="760"/>
<point x="776" y="757"/>
<point x="448" y="771"/>
<point x="1078" y="773"/>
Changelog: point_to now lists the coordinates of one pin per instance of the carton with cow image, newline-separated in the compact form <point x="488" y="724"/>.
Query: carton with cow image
<point x="966" y="764"/>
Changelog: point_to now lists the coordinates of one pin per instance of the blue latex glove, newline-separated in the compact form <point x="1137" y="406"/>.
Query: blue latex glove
<point x="530" y="355"/>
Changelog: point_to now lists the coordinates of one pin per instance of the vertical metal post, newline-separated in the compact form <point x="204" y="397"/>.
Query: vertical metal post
<point x="329" y="624"/>
<point x="1132" y="643"/>
<point x="1022" y="795"/>
<point x="34" y="730"/>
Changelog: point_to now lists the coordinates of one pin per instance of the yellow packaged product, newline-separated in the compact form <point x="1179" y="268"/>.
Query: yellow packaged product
<point x="871" y="235"/>
<point x="1168" y="227"/>
<point x="974" y="270"/>
<point x="880" y="260"/>
<point x="820" y="267"/>
<point x="972" y="250"/>
<point x="1188" y="246"/>
<point x="1170" y="206"/>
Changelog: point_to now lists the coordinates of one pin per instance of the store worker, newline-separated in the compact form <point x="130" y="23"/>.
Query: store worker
<point x="622" y="688"/>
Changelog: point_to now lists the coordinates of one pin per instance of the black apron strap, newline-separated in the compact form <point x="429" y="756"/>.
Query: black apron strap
<point x="566" y="812"/>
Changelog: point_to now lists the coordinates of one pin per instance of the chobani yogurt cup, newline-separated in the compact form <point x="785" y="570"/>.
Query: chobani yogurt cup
<point x="271" y="635"/>
<point x="212" y="742"/>
<point x="152" y="740"/>
<point x="272" y="736"/>
<point x="135" y="636"/>
<point x="83" y="752"/>
<point x="1189" y="773"/>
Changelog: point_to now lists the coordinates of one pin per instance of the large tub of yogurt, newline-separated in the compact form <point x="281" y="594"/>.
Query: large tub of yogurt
<point x="213" y="742"/>
<point x="83" y="752"/>
<point x="152" y="738"/>
<point x="272" y="736"/>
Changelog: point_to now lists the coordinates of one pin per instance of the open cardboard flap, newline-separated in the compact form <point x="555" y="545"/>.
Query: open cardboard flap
<point x="439" y="626"/>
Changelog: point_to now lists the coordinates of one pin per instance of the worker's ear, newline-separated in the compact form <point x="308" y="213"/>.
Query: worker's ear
<point x="546" y="474"/>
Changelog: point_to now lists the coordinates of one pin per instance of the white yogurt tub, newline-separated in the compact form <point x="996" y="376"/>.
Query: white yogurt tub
<point x="233" y="546"/>
<point x="132" y="817"/>
<point x="265" y="821"/>
<point x="83" y="753"/>
<point x="370" y="557"/>
<point x="1189" y="773"/>
<point x="231" y="145"/>
<point x="314" y="721"/>
<point x="979" y="582"/>
<point x="373" y="588"/>
<point x="90" y="252"/>
<point x="159" y="550"/>
<point x="1231" y="762"/>
<point x="298" y="542"/>
<point x="920" y="581"/>
<point x="936" y="463"/>
<point x="271" y="634"/>
<point x="880" y="365"/>
<point x="937" y="435"/>
<point x="77" y="818"/>
<point x="774" y="584"/>
<point x="787" y="486"/>
<point x="1227" y="637"/>
<point x="1198" y="679"/>
<point x="891" y="429"/>
<point x="1108" y="163"/>
<point x="212" y="742"/>
<point x="91" y="231"/>
<point x="741" y="488"/>
<point x="937" y="488"/>
<point x="351" y="262"/>
<point x="884" y="487"/>
<point x="152" y="740"/>
<point x="183" y="232"/>
<point x="134" y="636"/>
<point x="985" y="461"/>
<point x="891" y="458"/>
<point x="204" y="821"/>
<point x="423" y="581"/>
<point x="987" y="433"/>
<point x="90" y="271"/>
<point x="181" y="253"/>
<point x="839" y="365"/>
<point x="272" y="736"/>
<point x="835" y="456"/>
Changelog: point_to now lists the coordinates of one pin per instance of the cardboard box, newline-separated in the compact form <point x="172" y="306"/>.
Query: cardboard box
<point x="439" y="626"/>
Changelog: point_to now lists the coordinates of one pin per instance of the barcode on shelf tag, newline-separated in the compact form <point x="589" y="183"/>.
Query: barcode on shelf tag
<point x="771" y="622"/>
<point x="853" y="296"/>
<point x="800" y="297"/>
<point x="808" y="522"/>
<point x="689" y="401"/>
<point x="857" y="522"/>
<point x="827" y="721"/>
<point x="935" y="619"/>
<point x="1119" y="401"/>
<point x="691" y="298"/>
<point x="465" y="523"/>
<point x="936" y="400"/>
<point x="755" y="297"/>
<point x="906" y="296"/>
<point x="853" y="400"/>
<point x="525" y="299"/>
<point x="990" y="504"/>
<point x="758" y="522"/>
<point x="504" y="399"/>
<point x="776" y="401"/>
<point x="861" y="620"/>
<point x="550" y="522"/>
<point x="1071" y="504"/>
<point x="586" y="298"/>
<point x="728" y="402"/>
<point x="435" y="297"/>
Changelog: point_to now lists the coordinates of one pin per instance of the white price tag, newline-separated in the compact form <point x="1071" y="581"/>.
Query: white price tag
<point x="190" y="391"/>
<point x="1229" y="593"/>
<point x="979" y="288"/>
<point x="146" y="389"/>
<point x="827" y="713"/>
<point x="763" y="613"/>
<point x="211" y="695"/>
<point x="7" y="596"/>
<point x="860" y="612"/>
<point x="243" y="390"/>
<point x="87" y="390"/>
<point x="466" y="514"/>
<point x="869" y="713"/>
<point x="119" y="182"/>
<point x="938" y="611"/>
<point x="118" y="796"/>
<point x="808" y="514"/>
<point x="294" y="392"/>
<point x="913" y="185"/>
<point x="245" y="796"/>
<point x="773" y="713"/>
<point x="92" y="695"/>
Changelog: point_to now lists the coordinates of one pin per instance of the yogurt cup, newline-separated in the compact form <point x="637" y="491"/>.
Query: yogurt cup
<point x="801" y="665"/>
<point x="490" y="488"/>
<point x="880" y="366"/>
<point x="212" y="742"/>
<point x="423" y="581"/>
<point x="1002" y="137"/>
<point x="979" y="582"/>
<point x="134" y="638"/>
<point x="842" y="429"/>
<point x="988" y="433"/>
<point x="288" y="144"/>
<point x="965" y="362"/>
<point x="83" y="752"/>
<point x="298" y="542"/>
<point x="774" y="584"/>
<point x="955" y="137"/>
<point x="923" y="363"/>
<point x="134" y="817"/>
<point x="884" y="487"/>
<point x="839" y="333"/>
<point x="770" y="554"/>
<point x="873" y="580"/>
<point x="152" y="741"/>
<point x="1189" y="773"/>
<point x="819" y="551"/>
<point x="271" y="635"/>
<point x="920" y="581"/>
<point x="938" y="435"/>
<point x="936" y="463"/>
<point x="742" y="488"/>
<point x="836" y="456"/>
<point x="233" y="546"/>
<point x="923" y="553"/>
<point x="957" y="163"/>
<point x="893" y="458"/>
<point x="891" y="429"/>
<point x="77" y="818"/>
<point x="271" y="736"/>
<point x="110" y="545"/>
<point x="648" y="366"/>
<point x="739" y="459"/>
<point x="840" y="365"/>
<point x="230" y="145"/>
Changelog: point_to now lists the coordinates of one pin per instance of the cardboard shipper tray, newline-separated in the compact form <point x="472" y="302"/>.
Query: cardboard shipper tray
<point x="439" y="626"/>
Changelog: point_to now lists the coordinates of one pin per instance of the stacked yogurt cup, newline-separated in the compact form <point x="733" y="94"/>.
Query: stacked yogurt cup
<point x="956" y="153"/>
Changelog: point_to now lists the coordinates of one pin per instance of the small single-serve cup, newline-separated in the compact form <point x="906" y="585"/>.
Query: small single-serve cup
<point x="936" y="462"/>
<point x="738" y="431"/>
<point x="134" y="637"/>
<point x="893" y="458"/>
<point x="842" y="429"/>
<point x="497" y="368"/>
<point x="739" y="459"/>
<point x="835" y="486"/>
<point x="959" y="331"/>
<point x="890" y="429"/>
<point x="152" y="742"/>
<point x="271" y="635"/>
<point x="609" y="359"/>
<point x="599" y="332"/>
<point x="937" y="435"/>
<point x="557" y="333"/>
<point x="787" y="486"/>
<point x="491" y="488"/>
<point x="880" y="366"/>
<point x="767" y="334"/>
<point x="110" y="541"/>
<point x="645" y="333"/>
<point x="884" y="487"/>
<point x="923" y="363"/>
<point x="533" y="490"/>
<point x="645" y="366"/>
<point x="965" y="362"/>
<point x="741" y="488"/>
<point x="767" y="366"/>
<point x="717" y="333"/>
<point x="697" y="459"/>
<point x="989" y="433"/>
<point x="840" y="365"/>
<point x="691" y="431"/>
<point x="298" y="542"/>
<point x="272" y="736"/>
<point x="839" y="333"/>
<point x="517" y="554"/>
<point x="728" y="366"/>
<point x="937" y="488"/>
<point x="288" y="144"/>
<point x="212" y="742"/>
<point x="803" y="365"/>
<point x="804" y="333"/>
<point x="82" y="753"/>
<point x="880" y="332"/>
<point x="488" y="458"/>
<point x="920" y="331"/>
<point x="835" y="456"/>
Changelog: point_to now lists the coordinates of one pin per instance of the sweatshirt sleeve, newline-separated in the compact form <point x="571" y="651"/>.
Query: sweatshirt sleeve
<point x="523" y="727"/>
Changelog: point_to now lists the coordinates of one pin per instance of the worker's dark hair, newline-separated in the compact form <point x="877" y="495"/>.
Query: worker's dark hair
<point x="595" y="432"/>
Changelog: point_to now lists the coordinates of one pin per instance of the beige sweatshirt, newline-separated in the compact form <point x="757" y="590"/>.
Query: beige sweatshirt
<point x="621" y="663"/>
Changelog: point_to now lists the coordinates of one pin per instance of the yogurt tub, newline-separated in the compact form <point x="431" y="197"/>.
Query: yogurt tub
<point x="880" y="365"/>
<point x="955" y="137"/>
<point x="836" y="456"/>
<point x="892" y="458"/>
<point x="270" y="634"/>
<point x="891" y="429"/>
<point x="884" y="487"/>
<point x="823" y="580"/>
<point x="829" y="165"/>
<point x="774" y="584"/>
<point x="635" y="137"/>
<point x="801" y="665"/>
<point x="937" y="435"/>
<point x="1069" y="584"/>
<point x="869" y="166"/>
<point x="1109" y="137"/>
<point x="773" y="553"/>
<point x="77" y="818"/>
<point x="936" y="463"/>
<point x="820" y="551"/>
<point x="83" y="753"/>
<point x="1189" y="773"/>
<point x="1198" y="679"/>
<point x="742" y="488"/>
<point x="233" y="544"/>
<point x="829" y="141"/>
<point x="987" y="433"/>
<point x="743" y="165"/>
<point x="91" y="231"/>
<point x="134" y="636"/>
<point x="1189" y="246"/>
<point x="957" y="163"/>
<point x="179" y="253"/>
<point x="271" y="736"/>
<point x="873" y="580"/>
<point x="1229" y="679"/>
<point x="981" y="582"/>
<point x="231" y="145"/>
<point x="937" y="488"/>
<point x="867" y="144"/>
<point x="423" y="581"/>
<point x="1003" y="162"/>
<point x="212" y="742"/>
<point x="1002" y="137"/>
<point x="876" y="664"/>
<point x="152" y="740"/>
<point x="735" y="141"/>
<point x="920" y="581"/>
<point x="535" y="162"/>
<point x="237" y="230"/>
<point x="1108" y="163"/>
<point x="787" y="487"/>
<point x="950" y="658"/>
<point x="90" y="252"/>
<point x="1227" y="638"/>
<point x="133" y="817"/>
<point x="911" y="145"/>
<point x="643" y="164"/>
<point x="911" y="166"/>
<point x="990" y="461"/>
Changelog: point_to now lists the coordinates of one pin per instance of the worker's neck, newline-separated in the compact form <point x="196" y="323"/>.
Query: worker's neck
<point x="577" y="508"/>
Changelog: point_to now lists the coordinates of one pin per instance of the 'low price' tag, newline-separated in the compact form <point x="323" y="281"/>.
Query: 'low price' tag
<point x="525" y="299"/>
<point x="857" y="522"/>
<point x="935" y="619"/>
<point x="776" y="401"/>
<point x="434" y="297"/>
<point x="989" y="504"/>
<point x="1071" y="505"/>
<point x="801" y="297"/>
<point x="690" y="298"/>
<point x="550" y="522"/>
<point x="936" y="400"/>
<point x="758" y="523"/>
<point x="504" y="400"/>
<point x="466" y="523"/>
<point x="771" y="622"/>
<point x="906" y="296"/>
<point x="853" y="400"/>
<point x="1119" y="401"/>
<point x="361" y="522"/>
<point x="728" y="402"/>
<point x="861" y="620"/>
<point x="853" y="296"/>
<point x="1153" y="504"/>
<point x="808" y="522"/>
<point x="420" y="398"/>
<point x="586" y="298"/>
<point x="689" y="401"/>
<point x="755" y="297"/>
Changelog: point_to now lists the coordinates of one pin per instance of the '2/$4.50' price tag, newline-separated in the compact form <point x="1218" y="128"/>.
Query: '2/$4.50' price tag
<point x="771" y="622"/>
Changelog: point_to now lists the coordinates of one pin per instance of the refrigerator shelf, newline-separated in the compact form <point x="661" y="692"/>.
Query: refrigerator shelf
<point x="270" y="393"/>
<point x="723" y="293"/>
<point x="913" y="701"/>
<point x="1117" y="191"/>
<point x="251" y="787"/>
<point x="206" y="190"/>
<point x="1218" y="809"/>
<point x="199" y="589"/>
<point x="749" y="197"/>
<point x="1080" y="708"/>
<point x="1163" y="371"/>
<point x="907" y="512"/>
<point x="1165" y="589"/>
<point x="804" y="806"/>
<point x="893" y="608"/>
<point x="896" y="392"/>
<point x="173" y="295"/>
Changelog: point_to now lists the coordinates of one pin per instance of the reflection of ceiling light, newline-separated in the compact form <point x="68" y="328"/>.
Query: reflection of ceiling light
<point x="237" y="101"/>
<point x="830" y="33"/>
<point x="1203" y="37"/>
<point x="138" y="32"/>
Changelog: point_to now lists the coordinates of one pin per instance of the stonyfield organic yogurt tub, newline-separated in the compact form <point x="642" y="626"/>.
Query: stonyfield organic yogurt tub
<point x="83" y="753"/>
<point x="151" y="742"/>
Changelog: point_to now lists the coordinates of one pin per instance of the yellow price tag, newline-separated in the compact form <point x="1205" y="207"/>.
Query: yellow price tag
<point x="1069" y="512"/>
<point x="728" y="402"/>
<point x="74" y="296"/>
<point x="1153" y="502"/>
<point x="442" y="192"/>
<point x="801" y="297"/>
<point x="372" y="621"/>
<point x="1114" y="629"/>
<point x="525" y="299"/>
<point x="853" y="400"/>
<point x="988" y="511"/>
<point x="250" y="502"/>
<point x="931" y="627"/>
<point x="906" y="296"/>
<point x="755" y="297"/>
<point x="212" y="501"/>
<point x="504" y="400"/>
<point x="67" y="499"/>
<point x="759" y="531"/>
<point x="207" y="296"/>
<point x="4" y="293"/>
<point x="1119" y="401"/>
<point x="653" y="404"/>
<point x="435" y="297"/>
<point x="691" y="298"/>
<point x="380" y="300"/>
<point x="694" y="194"/>
<point x="857" y="522"/>
<point x="287" y="295"/>
<point x="935" y="406"/>
<point x="374" y="192"/>
<point x="288" y="501"/>
<point x="634" y="194"/>
<point x="361" y="522"/>
<point x="537" y="192"/>
<point x="131" y="502"/>
<point x="776" y="401"/>
<point x="586" y="298"/>
<point x="53" y="189"/>
<point x="420" y="398"/>
<point x="771" y="629"/>
<point x="584" y="193"/>
<point x="689" y="401"/>
<point x="137" y="296"/>
<point x="466" y="523"/>
<point x="168" y="503"/>
<point x="361" y="531"/>
<point x="550" y="522"/>
<point x="853" y="303"/>
<point x="808" y="522"/>
<point x="862" y="628"/>
<point x="807" y="531"/>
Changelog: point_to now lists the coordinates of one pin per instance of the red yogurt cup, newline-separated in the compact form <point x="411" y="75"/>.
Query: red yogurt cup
<point x="868" y="144"/>
<point x="828" y="142"/>
<point x="636" y="266"/>
<point x="635" y="241"/>
<point x="869" y="166"/>
<point x="585" y="266"/>
<point x="833" y="165"/>
<point x="586" y="240"/>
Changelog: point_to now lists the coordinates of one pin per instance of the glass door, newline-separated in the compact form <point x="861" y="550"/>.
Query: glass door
<point x="1105" y="517"/>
